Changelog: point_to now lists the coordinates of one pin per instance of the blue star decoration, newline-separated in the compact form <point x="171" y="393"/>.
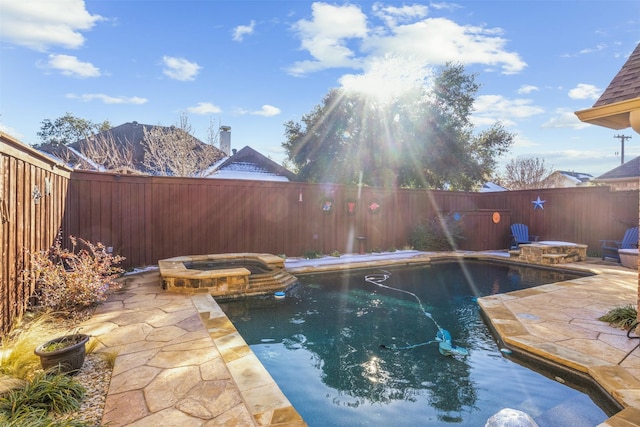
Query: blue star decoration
<point x="538" y="203"/>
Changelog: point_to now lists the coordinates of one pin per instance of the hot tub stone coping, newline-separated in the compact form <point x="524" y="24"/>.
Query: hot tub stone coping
<point x="172" y="267"/>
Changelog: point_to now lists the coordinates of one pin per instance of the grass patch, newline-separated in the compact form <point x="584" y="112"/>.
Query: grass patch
<point x="621" y="317"/>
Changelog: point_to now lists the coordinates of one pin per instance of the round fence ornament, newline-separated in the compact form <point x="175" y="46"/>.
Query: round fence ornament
<point x="374" y="208"/>
<point x="351" y="206"/>
<point x="327" y="205"/>
<point x="495" y="217"/>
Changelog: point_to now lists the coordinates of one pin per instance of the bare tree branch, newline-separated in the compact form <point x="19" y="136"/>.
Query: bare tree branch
<point x="174" y="152"/>
<point x="104" y="150"/>
<point x="526" y="173"/>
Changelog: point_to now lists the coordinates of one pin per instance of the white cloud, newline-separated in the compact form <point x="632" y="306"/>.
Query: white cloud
<point x="266" y="111"/>
<point x="564" y="119"/>
<point x="343" y="36"/>
<point x="180" y="68"/>
<point x="525" y="89"/>
<point x="40" y="24"/>
<point x="10" y="131"/>
<point x="70" y="66"/>
<point x="440" y="40"/>
<point x="107" y="99"/>
<point x="204" y="108"/>
<point x="584" y="91"/>
<point x="392" y="15"/>
<point x="520" y="141"/>
<point x="325" y="37"/>
<point x="243" y="30"/>
<point x="490" y="108"/>
<point x="599" y="47"/>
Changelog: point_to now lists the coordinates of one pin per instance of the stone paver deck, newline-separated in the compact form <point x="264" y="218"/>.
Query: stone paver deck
<point x="559" y="322"/>
<point x="180" y="361"/>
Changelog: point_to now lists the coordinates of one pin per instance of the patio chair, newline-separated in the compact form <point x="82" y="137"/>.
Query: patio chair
<point x="610" y="248"/>
<point x="520" y="235"/>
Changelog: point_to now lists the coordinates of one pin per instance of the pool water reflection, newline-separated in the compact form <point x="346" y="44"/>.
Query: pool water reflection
<point x="324" y="344"/>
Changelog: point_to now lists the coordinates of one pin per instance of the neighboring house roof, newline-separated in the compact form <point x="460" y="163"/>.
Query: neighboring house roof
<point x="247" y="163"/>
<point x="619" y="105"/>
<point x="128" y="134"/>
<point x="576" y="177"/>
<point x="67" y="156"/>
<point x="489" y="187"/>
<point x="628" y="170"/>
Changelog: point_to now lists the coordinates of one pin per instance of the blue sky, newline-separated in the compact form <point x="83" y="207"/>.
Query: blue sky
<point x="254" y="65"/>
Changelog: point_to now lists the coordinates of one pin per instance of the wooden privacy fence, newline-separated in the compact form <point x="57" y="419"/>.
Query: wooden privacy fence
<point x="151" y="218"/>
<point x="33" y="191"/>
<point x="148" y="218"/>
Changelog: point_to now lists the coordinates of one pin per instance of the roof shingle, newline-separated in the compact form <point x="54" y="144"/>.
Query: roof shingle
<point x="626" y="84"/>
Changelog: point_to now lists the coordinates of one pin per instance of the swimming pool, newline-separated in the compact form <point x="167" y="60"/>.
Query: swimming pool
<point x="347" y="352"/>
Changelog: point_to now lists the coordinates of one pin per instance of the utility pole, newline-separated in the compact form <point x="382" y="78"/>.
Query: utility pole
<point x="622" y="139"/>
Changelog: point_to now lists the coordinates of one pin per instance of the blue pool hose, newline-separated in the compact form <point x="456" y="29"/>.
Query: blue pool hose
<point x="443" y="337"/>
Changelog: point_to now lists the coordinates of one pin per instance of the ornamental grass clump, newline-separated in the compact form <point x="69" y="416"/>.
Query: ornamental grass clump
<point x="621" y="317"/>
<point x="74" y="279"/>
<point x="17" y="359"/>
<point x="43" y="401"/>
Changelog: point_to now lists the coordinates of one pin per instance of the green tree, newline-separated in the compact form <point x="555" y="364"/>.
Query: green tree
<point x="69" y="129"/>
<point x="422" y="138"/>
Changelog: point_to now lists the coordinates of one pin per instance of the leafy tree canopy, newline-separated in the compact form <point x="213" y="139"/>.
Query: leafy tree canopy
<point x="421" y="138"/>
<point x="69" y="129"/>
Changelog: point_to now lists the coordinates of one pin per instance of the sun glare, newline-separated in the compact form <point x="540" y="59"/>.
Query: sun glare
<point x="388" y="78"/>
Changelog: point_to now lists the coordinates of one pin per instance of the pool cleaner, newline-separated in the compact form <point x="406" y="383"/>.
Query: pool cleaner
<point x="443" y="337"/>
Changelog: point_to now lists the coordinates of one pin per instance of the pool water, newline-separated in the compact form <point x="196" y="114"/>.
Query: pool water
<point x="346" y="352"/>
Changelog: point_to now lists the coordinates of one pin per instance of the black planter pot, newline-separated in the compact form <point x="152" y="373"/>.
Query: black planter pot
<point x="68" y="359"/>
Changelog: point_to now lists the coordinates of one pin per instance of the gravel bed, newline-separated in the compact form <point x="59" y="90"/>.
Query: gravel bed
<point x="94" y="376"/>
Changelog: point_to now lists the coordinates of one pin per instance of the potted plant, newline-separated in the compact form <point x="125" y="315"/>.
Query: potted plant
<point x="65" y="353"/>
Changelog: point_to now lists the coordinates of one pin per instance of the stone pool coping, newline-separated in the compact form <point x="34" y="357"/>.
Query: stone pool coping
<point x="154" y="333"/>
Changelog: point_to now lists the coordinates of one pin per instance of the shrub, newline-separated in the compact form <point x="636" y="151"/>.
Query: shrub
<point x="68" y="279"/>
<point x="440" y="233"/>
<point x="312" y="254"/>
<point x="52" y="392"/>
<point x="46" y="393"/>
<point x="621" y="317"/>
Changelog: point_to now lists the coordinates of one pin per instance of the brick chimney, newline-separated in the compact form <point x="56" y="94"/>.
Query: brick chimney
<point x="225" y="139"/>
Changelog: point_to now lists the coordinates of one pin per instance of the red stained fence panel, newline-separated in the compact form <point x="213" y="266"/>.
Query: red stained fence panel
<point x="148" y="218"/>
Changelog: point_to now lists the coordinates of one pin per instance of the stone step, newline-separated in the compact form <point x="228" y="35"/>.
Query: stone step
<point x="275" y="280"/>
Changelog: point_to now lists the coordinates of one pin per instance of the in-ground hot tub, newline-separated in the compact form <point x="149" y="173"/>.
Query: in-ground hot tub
<point x="225" y="275"/>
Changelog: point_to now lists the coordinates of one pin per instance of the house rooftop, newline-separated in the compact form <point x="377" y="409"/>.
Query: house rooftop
<point x="247" y="163"/>
<point x="619" y="105"/>
<point x="626" y="84"/>
<point x="630" y="169"/>
<point x="576" y="176"/>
